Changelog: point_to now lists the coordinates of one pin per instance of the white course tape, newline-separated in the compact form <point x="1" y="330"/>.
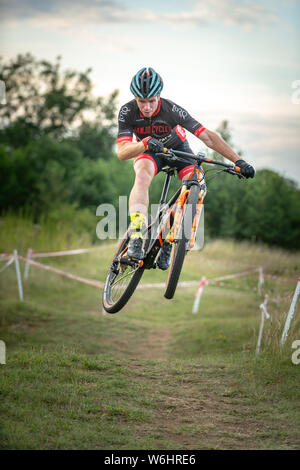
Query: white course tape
<point x="98" y="284"/>
<point x="10" y="261"/>
<point x="15" y="257"/>
<point x="32" y="254"/>
<point x="231" y="276"/>
<point x="63" y="273"/>
<point x="196" y="283"/>
<point x="61" y="253"/>
<point x="150" y="286"/>
<point x="279" y="278"/>
<point x="68" y="252"/>
<point x="4" y="256"/>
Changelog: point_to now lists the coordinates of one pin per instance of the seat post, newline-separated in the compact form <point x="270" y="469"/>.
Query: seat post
<point x="163" y="198"/>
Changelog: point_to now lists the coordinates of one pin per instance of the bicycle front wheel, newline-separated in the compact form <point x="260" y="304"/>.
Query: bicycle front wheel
<point x="180" y="246"/>
<point x="122" y="279"/>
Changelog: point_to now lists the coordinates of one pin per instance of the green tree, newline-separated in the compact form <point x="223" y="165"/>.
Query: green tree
<point x="47" y="173"/>
<point x="265" y="209"/>
<point x="43" y="99"/>
<point x="95" y="140"/>
<point x="273" y="210"/>
<point x="54" y="137"/>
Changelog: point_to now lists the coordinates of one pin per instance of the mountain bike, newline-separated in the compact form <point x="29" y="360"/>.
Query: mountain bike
<point x="176" y="219"/>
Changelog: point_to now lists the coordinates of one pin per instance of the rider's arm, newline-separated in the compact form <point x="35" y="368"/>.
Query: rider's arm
<point x="211" y="139"/>
<point x="127" y="150"/>
<point x="215" y="142"/>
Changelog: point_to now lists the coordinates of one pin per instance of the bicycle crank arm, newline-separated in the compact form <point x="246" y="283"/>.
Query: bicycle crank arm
<point x="149" y="259"/>
<point x="129" y="262"/>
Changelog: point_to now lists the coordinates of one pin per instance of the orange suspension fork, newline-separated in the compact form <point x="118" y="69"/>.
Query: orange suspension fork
<point x="178" y="212"/>
<point x="196" y="219"/>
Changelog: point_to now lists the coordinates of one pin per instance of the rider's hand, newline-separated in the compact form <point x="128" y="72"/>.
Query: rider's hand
<point x="174" y="139"/>
<point x="154" y="145"/>
<point x="246" y="169"/>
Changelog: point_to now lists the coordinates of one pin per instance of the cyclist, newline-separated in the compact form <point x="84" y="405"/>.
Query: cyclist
<point x="157" y="123"/>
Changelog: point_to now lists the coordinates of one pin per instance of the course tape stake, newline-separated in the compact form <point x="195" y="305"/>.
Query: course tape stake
<point x="264" y="314"/>
<point x="199" y="291"/>
<point x="290" y="314"/>
<point x="19" y="279"/>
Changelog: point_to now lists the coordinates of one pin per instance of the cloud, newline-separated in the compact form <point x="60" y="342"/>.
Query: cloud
<point x="60" y="14"/>
<point x="230" y="12"/>
<point x="270" y="142"/>
<point x="242" y="13"/>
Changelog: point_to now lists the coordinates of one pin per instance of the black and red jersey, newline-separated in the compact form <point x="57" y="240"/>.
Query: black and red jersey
<point x="167" y="116"/>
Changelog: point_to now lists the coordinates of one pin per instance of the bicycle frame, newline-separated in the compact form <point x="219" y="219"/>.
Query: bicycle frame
<point x="179" y="200"/>
<point x="156" y="242"/>
<point x="163" y="223"/>
<point x="171" y="216"/>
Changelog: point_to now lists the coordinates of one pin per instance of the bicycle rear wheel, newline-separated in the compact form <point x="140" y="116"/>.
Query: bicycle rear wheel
<point x="180" y="246"/>
<point x="122" y="279"/>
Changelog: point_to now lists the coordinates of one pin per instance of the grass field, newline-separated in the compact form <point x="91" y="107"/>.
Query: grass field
<point x="154" y="376"/>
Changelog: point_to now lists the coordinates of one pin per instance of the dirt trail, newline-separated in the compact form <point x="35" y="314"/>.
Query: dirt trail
<point x="201" y="409"/>
<point x="154" y="345"/>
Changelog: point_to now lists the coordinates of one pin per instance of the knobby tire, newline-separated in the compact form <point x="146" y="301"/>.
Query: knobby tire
<point x="179" y="249"/>
<point x="109" y="305"/>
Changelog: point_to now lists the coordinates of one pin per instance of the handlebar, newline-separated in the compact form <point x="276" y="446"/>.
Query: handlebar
<point x="175" y="155"/>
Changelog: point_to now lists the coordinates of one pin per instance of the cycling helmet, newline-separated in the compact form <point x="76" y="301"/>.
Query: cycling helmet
<point x="146" y="83"/>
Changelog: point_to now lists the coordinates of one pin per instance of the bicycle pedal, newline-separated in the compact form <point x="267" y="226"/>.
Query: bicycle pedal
<point x="136" y="260"/>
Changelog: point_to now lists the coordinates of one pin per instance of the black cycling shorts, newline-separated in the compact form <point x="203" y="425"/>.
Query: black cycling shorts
<point x="182" y="167"/>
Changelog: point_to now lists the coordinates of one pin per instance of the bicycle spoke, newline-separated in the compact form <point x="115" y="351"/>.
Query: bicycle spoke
<point x="126" y="275"/>
<point x="121" y="281"/>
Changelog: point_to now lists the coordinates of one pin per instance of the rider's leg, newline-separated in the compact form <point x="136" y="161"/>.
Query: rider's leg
<point x="139" y="197"/>
<point x="138" y="204"/>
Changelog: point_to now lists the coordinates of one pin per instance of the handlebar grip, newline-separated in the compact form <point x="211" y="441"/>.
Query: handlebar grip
<point x="164" y="149"/>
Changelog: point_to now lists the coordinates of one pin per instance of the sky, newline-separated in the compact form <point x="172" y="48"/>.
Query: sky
<point x="219" y="59"/>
